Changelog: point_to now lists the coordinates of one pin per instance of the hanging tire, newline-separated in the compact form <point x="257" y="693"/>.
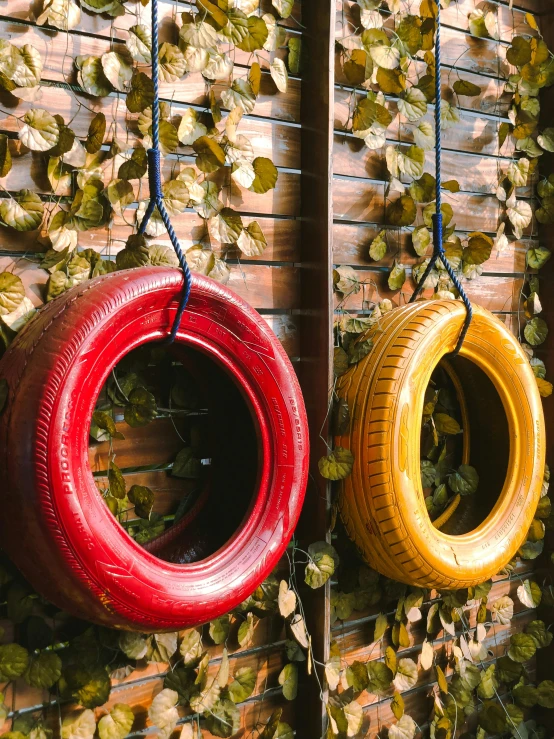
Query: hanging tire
<point x="54" y="523"/>
<point x="382" y="502"/>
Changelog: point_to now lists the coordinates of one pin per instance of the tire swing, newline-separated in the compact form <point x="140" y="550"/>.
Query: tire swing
<point x="74" y="550"/>
<point x="382" y="503"/>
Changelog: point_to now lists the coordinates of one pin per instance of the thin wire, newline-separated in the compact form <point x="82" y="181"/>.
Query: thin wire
<point x="155" y="180"/>
<point x="438" y="248"/>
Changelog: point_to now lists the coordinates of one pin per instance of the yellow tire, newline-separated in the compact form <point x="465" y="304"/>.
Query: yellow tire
<point x="382" y="503"/>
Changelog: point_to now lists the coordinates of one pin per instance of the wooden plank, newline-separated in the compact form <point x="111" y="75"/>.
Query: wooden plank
<point x="102" y="25"/>
<point x="192" y="88"/>
<point x="492" y="100"/>
<point x="491" y="292"/>
<point x="262" y="286"/>
<point x="283" y="236"/>
<point x="274" y="140"/>
<point x="364" y="201"/>
<point x="510" y="22"/>
<point x="96" y="44"/>
<point x="29" y="172"/>
<point x="351" y="246"/>
<point x="315" y="368"/>
<point x="474" y="172"/>
<point x="474" y="133"/>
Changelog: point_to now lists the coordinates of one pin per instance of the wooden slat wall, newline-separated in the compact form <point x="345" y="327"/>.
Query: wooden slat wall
<point x="472" y="156"/>
<point x="270" y="282"/>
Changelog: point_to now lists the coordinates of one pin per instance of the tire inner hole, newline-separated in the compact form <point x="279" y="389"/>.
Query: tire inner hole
<point x="462" y="391"/>
<point x="183" y="479"/>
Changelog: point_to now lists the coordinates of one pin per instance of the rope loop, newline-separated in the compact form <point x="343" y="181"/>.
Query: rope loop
<point x="155" y="182"/>
<point x="438" y="248"/>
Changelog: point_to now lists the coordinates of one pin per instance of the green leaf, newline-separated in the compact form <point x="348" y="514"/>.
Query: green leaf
<point x="479" y="248"/>
<point x="464" y="87"/>
<point x="279" y="74"/>
<point x="492" y="718"/>
<point x="223" y="719"/>
<point x="133" y="645"/>
<point x="537" y="257"/>
<point x="464" y="481"/>
<point x="529" y="594"/>
<point x="406" y="674"/>
<point x="5" y="155"/>
<point x="219" y="629"/>
<point x="40" y="130"/>
<point x="283" y="7"/>
<point x="186" y="465"/>
<point x="163" y="711"/>
<point x="141" y="94"/>
<point x="489" y="684"/>
<point x="546" y="139"/>
<point x="522" y="647"/>
<point x="423" y="190"/>
<point x="368" y="112"/>
<point x="243" y="684"/>
<point x="12" y="292"/>
<point x="508" y="671"/>
<point x="294" y="57"/>
<point x="525" y="695"/>
<point x="226" y="226"/>
<point x="246" y="631"/>
<point x="430" y="210"/>
<point x="116" y="481"/>
<point x="79" y="725"/>
<point x="412" y="104"/>
<point x="143" y="500"/>
<point x="380" y="677"/>
<point x="402" y="212"/>
<point x="89" y="687"/>
<point x="421" y="240"/>
<point x="141" y="409"/>
<point x="13" y="661"/>
<point x="397" y="276"/>
<point x="135" y="167"/>
<point x="337" y="465"/>
<point x="378" y="246"/>
<point x="191" y="647"/>
<point x="172" y="63"/>
<point x="535" y="331"/>
<point x="139" y="43"/>
<point x="519" y="52"/>
<point x="411" y="161"/>
<point x="288" y="678"/>
<point x="538" y="631"/>
<point x="323" y="561"/>
<point x="44" y="670"/>
<point x="251" y="240"/>
<point x="357" y="677"/>
<point x="266" y="175"/>
<point x="391" y="81"/>
<point x="445" y="424"/>
<point x="24" y="212"/>
<point x="117" y="723"/>
<point x="210" y="155"/>
<point x="116" y="70"/>
<point x="545" y="696"/>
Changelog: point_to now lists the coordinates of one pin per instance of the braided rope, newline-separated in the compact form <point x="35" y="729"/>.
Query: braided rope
<point x="155" y="180"/>
<point x="438" y="248"/>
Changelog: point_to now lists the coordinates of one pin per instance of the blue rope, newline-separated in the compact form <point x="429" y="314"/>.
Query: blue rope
<point x="155" y="180"/>
<point x="438" y="248"/>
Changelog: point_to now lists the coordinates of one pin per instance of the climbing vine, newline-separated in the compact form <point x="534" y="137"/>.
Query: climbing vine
<point x="387" y="60"/>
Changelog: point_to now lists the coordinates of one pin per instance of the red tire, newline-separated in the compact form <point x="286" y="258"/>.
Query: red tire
<point x="55" y="525"/>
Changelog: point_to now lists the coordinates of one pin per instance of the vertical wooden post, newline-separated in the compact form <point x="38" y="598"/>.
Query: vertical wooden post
<point x="546" y="353"/>
<point x="316" y="313"/>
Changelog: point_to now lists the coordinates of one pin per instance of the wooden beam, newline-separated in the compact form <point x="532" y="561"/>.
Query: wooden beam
<point x="316" y="301"/>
